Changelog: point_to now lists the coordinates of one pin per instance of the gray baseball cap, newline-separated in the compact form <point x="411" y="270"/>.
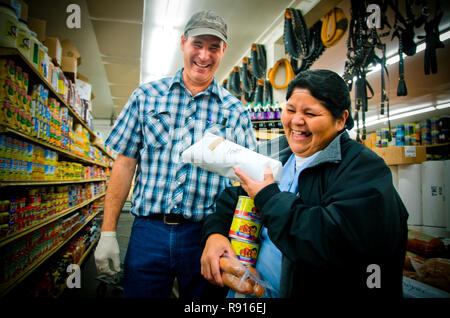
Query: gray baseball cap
<point x="206" y="22"/>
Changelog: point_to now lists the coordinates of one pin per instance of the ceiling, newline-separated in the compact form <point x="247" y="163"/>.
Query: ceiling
<point x="117" y="40"/>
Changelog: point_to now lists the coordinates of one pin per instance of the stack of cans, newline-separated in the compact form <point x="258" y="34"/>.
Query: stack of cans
<point x="244" y="231"/>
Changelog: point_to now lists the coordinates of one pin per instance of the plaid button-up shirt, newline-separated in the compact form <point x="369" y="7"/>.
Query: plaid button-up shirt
<point x="160" y="120"/>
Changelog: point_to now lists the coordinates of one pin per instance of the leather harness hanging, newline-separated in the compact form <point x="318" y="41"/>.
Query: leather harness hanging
<point x="248" y="80"/>
<point x="289" y="73"/>
<point x="258" y="61"/>
<point x="432" y="42"/>
<point x="338" y="22"/>
<point x="301" y="42"/>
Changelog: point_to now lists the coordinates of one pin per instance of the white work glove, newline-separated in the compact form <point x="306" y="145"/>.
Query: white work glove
<point x="107" y="249"/>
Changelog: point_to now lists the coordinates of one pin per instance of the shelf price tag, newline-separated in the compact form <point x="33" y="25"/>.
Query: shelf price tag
<point x="410" y="151"/>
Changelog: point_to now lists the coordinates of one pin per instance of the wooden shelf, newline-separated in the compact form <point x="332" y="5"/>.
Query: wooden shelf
<point x="266" y="135"/>
<point x="62" y="151"/>
<point x="15" y="53"/>
<point x="12" y="183"/>
<point x="16" y="235"/>
<point x="9" y="285"/>
<point x="438" y="145"/>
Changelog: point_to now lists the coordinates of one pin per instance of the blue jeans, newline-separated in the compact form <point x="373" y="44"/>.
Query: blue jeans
<point x="157" y="253"/>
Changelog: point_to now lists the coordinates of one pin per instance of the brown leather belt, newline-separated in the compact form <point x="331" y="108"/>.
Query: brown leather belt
<point x="171" y="219"/>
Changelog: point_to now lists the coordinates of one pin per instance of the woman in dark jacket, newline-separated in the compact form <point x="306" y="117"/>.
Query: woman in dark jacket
<point x="335" y="225"/>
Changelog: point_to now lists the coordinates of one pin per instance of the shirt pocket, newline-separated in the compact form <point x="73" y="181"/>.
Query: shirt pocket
<point x="157" y="129"/>
<point x="216" y="129"/>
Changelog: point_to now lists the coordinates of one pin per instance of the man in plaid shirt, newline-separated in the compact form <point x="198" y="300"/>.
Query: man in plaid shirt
<point x="170" y="198"/>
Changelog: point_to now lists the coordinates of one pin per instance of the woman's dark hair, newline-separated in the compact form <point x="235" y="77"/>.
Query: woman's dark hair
<point x="329" y="88"/>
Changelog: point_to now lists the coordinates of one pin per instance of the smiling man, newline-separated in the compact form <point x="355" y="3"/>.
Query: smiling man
<point x="170" y="198"/>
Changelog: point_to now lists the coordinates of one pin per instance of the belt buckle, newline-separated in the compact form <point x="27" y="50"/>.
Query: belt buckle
<point x="165" y="220"/>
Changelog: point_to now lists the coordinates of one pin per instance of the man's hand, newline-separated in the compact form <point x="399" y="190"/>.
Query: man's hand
<point x="251" y="186"/>
<point x="216" y="245"/>
<point x="107" y="249"/>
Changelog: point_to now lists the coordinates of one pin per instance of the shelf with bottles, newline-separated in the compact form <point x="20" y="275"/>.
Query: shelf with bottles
<point x="265" y="116"/>
<point x="58" y="87"/>
<point x="432" y="133"/>
<point x="23" y="210"/>
<point x="24" y="256"/>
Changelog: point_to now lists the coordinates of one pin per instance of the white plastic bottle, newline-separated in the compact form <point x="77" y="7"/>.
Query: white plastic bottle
<point x="8" y="26"/>
<point x="24" y="39"/>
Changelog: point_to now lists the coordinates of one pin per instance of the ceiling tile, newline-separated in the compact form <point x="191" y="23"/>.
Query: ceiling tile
<point x="121" y="90"/>
<point x="118" y="39"/>
<point x="130" y="10"/>
<point x="123" y="74"/>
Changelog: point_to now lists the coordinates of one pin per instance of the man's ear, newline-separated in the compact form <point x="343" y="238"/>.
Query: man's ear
<point x="182" y="42"/>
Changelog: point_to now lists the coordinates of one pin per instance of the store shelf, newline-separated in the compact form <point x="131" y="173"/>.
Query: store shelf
<point x="15" y="53"/>
<point x="104" y="150"/>
<point x="25" y="231"/>
<point x="438" y="145"/>
<point x="12" y="183"/>
<point x="267" y="134"/>
<point x="8" y="286"/>
<point x="83" y="257"/>
<point x="62" y="151"/>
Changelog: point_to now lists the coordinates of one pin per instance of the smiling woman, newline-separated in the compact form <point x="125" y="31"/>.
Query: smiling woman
<point x="335" y="213"/>
<point x="309" y="126"/>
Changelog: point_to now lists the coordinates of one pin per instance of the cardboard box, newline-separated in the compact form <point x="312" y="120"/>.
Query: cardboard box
<point x="54" y="49"/>
<point x="84" y="89"/>
<point x="68" y="49"/>
<point x="69" y="64"/>
<point x="38" y="26"/>
<point x="400" y="155"/>
<point x="82" y="77"/>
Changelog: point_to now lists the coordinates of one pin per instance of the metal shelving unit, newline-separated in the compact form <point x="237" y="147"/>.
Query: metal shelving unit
<point x="36" y="77"/>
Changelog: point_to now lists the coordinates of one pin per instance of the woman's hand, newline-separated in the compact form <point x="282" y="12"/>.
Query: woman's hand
<point x="251" y="186"/>
<point x="216" y="245"/>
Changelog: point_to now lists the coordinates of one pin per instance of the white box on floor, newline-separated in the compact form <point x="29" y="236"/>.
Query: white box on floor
<point x="433" y="208"/>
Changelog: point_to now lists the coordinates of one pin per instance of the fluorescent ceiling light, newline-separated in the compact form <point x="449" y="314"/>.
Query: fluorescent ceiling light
<point x="442" y="106"/>
<point x="403" y="113"/>
<point x="163" y="27"/>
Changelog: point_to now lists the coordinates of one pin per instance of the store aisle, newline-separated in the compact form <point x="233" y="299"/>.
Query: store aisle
<point x="91" y="286"/>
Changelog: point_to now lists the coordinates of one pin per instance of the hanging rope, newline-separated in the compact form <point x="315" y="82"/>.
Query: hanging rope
<point x="289" y="73"/>
<point x="338" y="22"/>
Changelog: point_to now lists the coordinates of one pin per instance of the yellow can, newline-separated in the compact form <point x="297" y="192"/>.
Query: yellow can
<point x="246" y="252"/>
<point x="246" y="208"/>
<point x="244" y="228"/>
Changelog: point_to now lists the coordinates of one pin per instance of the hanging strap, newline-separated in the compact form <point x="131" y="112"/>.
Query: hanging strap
<point x="289" y="73"/>
<point x="295" y="36"/>
<point x="336" y="20"/>
<point x="258" y="61"/>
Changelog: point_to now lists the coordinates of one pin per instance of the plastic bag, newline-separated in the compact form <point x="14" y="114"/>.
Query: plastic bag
<point x="245" y="278"/>
<point x="434" y="272"/>
<point x="218" y="155"/>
